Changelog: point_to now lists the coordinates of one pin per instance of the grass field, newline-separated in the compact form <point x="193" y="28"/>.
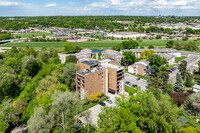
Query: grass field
<point x="177" y="59"/>
<point x="59" y="45"/>
<point x="24" y="35"/>
<point x="104" y="44"/>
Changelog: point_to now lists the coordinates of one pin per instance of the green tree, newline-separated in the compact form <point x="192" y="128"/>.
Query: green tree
<point x="179" y="83"/>
<point x="64" y="39"/>
<point x="13" y="62"/>
<point x="189" y="80"/>
<point x="190" y="129"/>
<point x="31" y="64"/>
<point x="71" y="58"/>
<point x="129" y="44"/>
<point x="152" y="115"/>
<point x="69" y="48"/>
<point x="146" y="53"/>
<point x="183" y="69"/>
<point x="43" y="56"/>
<point x="59" y="117"/>
<point x="158" y="37"/>
<point x="53" y="52"/>
<point x="157" y="63"/>
<point x="120" y="118"/>
<point x="151" y="47"/>
<point x="170" y="44"/>
<point x="7" y="116"/>
<point x="188" y="107"/>
<point x="69" y="73"/>
<point x="7" y="86"/>
<point x="47" y="85"/>
<point x="128" y="59"/>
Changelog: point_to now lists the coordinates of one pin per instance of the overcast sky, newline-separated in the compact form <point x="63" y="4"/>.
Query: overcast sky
<point x="99" y="7"/>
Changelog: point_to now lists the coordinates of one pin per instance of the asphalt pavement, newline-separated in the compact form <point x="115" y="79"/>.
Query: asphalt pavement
<point x="133" y="81"/>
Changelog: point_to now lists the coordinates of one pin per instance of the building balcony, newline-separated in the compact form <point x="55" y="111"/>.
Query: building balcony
<point x="120" y="77"/>
<point x="118" y="73"/>
<point x="80" y="82"/>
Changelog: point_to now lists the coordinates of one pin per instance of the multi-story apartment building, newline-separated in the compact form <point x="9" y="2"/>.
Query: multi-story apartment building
<point x="138" y="52"/>
<point x="140" y="68"/>
<point x="103" y="77"/>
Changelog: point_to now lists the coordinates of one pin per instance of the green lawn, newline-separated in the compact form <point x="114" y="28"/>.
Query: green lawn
<point x="177" y="59"/>
<point x="130" y="90"/>
<point x="24" y="35"/>
<point x="139" y="76"/>
<point x="104" y="44"/>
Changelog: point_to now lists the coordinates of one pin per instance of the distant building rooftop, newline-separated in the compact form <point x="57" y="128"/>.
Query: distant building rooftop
<point x="90" y="62"/>
<point x="111" y="66"/>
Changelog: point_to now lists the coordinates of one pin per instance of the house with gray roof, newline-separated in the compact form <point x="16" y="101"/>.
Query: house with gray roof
<point x="137" y="52"/>
<point x="170" y="58"/>
<point x="140" y="68"/>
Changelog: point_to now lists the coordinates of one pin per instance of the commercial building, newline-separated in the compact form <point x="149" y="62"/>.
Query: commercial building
<point x="99" y="76"/>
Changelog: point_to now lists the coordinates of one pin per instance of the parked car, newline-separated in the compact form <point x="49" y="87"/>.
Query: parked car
<point x="138" y="79"/>
<point x="134" y="85"/>
<point x="127" y="82"/>
<point x="168" y="72"/>
<point x="102" y="103"/>
<point x="109" y="101"/>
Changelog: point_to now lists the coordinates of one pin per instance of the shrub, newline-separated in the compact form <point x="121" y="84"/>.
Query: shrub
<point x="93" y="98"/>
<point x="99" y="94"/>
<point x="86" y="101"/>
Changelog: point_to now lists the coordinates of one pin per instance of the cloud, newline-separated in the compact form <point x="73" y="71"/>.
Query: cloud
<point x="50" y="5"/>
<point x="141" y="7"/>
<point x="8" y="3"/>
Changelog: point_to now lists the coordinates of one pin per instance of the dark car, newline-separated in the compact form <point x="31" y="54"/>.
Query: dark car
<point x="109" y="101"/>
<point x="170" y="71"/>
<point x="138" y="79"/>
<point x="102" y="103"/>
<point x="134" y="85"/>
<point x="127" y="82"/>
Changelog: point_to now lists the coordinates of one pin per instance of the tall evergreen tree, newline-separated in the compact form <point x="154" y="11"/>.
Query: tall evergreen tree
<point x="189" y="108"/>
<point x="183" y="69"/>
<point x="188" y="80"/>
<point x="179" y="83"/>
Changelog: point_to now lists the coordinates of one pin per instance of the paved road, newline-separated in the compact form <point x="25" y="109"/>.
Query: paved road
<point x="132" y="79"/>
<point x="94" y="111"/>
<point x="172" y="76"/>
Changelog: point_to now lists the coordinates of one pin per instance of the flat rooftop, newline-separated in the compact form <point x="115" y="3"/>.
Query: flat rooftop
<point x="111" y="66"/>
<point x="90" y="62"/>
<point x="86" y="71"/>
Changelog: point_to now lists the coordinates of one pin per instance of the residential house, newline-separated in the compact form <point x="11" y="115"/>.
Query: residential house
<point x="137" y="52"/>
<point x="140" y="68"/>
<point x="170" y="58"/>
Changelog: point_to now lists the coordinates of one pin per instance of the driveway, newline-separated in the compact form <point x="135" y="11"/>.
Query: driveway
<point x="94" y="111"/>
<point x="132" y="79"/>
<point x="172" y="76"/>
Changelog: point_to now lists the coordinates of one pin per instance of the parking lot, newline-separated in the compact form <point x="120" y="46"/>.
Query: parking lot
<point x="133" y="81"/>
<point x="94" y="111"/>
